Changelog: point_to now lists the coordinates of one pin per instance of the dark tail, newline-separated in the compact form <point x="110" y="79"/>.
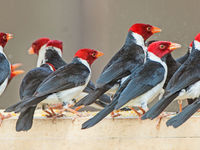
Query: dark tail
<point x="31" y="102"/>
<point x="91" y="98"/>
<point x="159" y="107"/>
<point x="182" y="117"/>
<point x="13" y="107"/>
<point x="98" y="117"/>
<point x="25" y="120"/>
<point x="105" y="99"/>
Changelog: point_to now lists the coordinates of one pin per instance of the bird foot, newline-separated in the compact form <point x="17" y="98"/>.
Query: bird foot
<point x="138" y="114"/>
<point x="72" y="111"/>
<point x="52" y="114"/>
<point x="3" y="117"/>
<point x="114" y="115"/>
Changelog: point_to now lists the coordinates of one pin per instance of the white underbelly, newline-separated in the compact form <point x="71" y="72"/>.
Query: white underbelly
<point x="52" y="99"/>
<point x="147" y="97"/>
<point x="192" y="92"/>
<point x="3" y="86"/>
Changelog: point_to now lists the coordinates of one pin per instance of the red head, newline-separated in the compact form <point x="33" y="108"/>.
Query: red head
<point x="197" y="38"/>
<point x="55" y="43"/>
<point x="36" y="46"/>
<point x="4" y="37"/>
<point x="145" y="30"/>
<point x="89" y="55"/>
<point x="161" y="48"/>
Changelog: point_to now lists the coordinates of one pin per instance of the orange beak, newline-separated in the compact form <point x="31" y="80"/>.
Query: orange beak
<point x="15" y="66"/>
<point x="9" y="36"/>
<point x="99" y="54"/>
<point x="16" y="72"/>
<point x="155" y="30"/>
<point x="174" y="46"/>
<point x="31" y="51"/>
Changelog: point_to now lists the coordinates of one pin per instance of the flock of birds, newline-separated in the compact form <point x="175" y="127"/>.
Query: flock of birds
<point x="139" y="72"/>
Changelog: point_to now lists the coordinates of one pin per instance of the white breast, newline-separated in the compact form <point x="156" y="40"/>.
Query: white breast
<point x="193" y="91"/>
<point x="3" y="86"/>
<point x="147" y="97"/>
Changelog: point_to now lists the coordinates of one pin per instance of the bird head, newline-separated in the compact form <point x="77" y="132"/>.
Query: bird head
<point x="37" y="45"/>
<point x="145" y="30"/>
<point x="57" y="45"/>
<point x="4" y="37"/>
<point x="89" y="55"/>
<point x="161" y="48"/>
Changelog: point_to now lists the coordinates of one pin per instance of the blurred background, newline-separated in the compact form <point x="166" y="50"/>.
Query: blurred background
<point x="97" y="24"/>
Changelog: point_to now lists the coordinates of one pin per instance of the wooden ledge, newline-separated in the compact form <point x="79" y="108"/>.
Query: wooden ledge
<point x="123" y="133"/>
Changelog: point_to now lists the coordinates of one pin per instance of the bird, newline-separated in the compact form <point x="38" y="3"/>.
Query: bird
<point x="144" y="83"/>
<point x="38" y="47"/>
<point x="67" y="81"/>
<point x="184" y="84"/>
<point x="173" y="65"/>
<point x="130" y="56"/>
<point x="7" y="70"/>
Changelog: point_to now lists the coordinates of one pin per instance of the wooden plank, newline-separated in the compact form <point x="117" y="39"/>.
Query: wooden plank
<point x="118" y="134"/>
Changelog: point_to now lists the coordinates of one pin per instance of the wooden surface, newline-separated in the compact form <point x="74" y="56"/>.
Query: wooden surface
<point x="122" y="133"/>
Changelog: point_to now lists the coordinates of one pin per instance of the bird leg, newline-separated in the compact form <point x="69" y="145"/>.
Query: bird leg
<point x="160" y="117"/>
<point x="143" y="111"/>
<point x="180" y="105"/>
<point x="72" y="111"/>
<point x="3" y="117"/>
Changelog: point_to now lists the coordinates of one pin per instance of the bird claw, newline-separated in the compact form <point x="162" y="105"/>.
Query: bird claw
<point x="114" y="115"/>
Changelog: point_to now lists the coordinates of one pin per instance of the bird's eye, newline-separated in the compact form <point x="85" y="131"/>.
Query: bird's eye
<point x="162" y="46"/>
<point x="148" y="28"/>
<point x="93" y="54"/>
<point x="5" y="37"/>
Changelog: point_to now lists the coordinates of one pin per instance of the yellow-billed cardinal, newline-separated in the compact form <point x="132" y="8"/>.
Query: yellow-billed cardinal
<point x="6" y="69"/>
<point x="184" y="84"/>
<point x="67" y="81"/>
<point x="144" y="83"/>
<point x="130" y="56"/>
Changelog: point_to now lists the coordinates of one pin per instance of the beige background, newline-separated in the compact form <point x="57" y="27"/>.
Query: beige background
<point x="98" y="24"/>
